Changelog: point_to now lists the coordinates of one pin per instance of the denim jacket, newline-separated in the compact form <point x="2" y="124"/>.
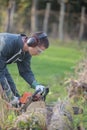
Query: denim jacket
<point x="11" y="51"/>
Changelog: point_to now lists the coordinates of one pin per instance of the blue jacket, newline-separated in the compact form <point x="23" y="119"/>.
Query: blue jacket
<point x="11" y="50"/>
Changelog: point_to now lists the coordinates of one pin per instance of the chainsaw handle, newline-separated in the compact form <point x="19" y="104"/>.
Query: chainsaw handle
<point x="43" y="95"/>
<point x="35" y="93"/>
<point x="46" y="91"/>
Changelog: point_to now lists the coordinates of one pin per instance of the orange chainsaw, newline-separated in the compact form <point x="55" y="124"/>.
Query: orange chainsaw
<point x="28" y="98"/>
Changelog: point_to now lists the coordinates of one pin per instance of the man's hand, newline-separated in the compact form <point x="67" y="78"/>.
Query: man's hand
<point x="40" y="87"/>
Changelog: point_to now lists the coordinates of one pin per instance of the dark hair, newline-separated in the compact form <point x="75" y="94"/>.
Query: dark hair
<point x="43" y="40"/>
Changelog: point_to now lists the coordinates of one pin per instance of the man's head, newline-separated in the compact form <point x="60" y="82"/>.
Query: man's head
<point x="37" y="43"/>
<point x="38" y="39"/>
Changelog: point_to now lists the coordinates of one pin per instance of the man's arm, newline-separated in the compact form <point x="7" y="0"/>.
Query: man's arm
<point x="25" y="71"/>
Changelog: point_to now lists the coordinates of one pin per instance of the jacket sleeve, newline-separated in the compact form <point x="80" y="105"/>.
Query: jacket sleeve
<point x="25" y="70"/>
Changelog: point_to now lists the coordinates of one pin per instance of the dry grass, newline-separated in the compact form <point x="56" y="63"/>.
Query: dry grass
<point x="34" y="117"/>
<point x="4" y="114"/>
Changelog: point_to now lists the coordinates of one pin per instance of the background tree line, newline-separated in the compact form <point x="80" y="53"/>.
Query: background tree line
<point x="59" y="18"/>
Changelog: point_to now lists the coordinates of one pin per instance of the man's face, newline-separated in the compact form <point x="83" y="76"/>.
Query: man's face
<point x="36" y="50"/>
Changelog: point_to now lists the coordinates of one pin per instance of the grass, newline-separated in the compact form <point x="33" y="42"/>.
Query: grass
<point x="50" y="69"/>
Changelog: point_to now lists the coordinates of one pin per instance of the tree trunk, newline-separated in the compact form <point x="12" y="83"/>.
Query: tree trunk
<point x="61" y="20"/>
<point x="82" y="24"/>
<point x="10" y="15"/>
<point x="46" y="18"/>
<point x="54" y="30"/>
<point x="34" y="16"/>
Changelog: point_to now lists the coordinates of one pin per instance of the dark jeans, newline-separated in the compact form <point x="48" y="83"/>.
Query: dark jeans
<point x="10" y="82"/>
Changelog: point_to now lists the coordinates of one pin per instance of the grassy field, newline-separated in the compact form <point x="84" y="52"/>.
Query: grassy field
<point x="50" y="69"/>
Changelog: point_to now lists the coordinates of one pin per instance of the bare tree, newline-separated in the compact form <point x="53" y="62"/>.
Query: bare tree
<point x="82" y="24"/>
<point x="61" y="19"/>
<point x="34" y="16"/>
<point x="10" y="15"/>
<point x="46" y="18"/>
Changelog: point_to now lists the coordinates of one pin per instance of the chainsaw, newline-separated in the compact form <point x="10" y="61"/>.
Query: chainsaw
<point x="28" y="97"/>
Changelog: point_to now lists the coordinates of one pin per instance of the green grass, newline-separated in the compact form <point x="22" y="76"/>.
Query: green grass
<point x="50" y="68"/>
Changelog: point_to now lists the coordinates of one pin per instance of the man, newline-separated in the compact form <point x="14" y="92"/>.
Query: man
<point x="19" y="48"/>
